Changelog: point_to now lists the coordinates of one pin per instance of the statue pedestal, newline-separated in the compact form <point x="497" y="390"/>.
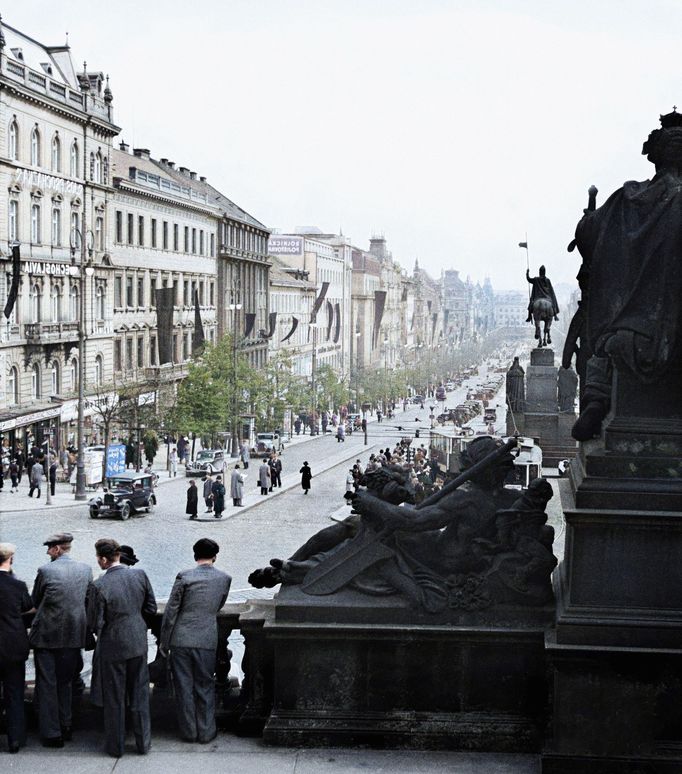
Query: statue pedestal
<point x="351" y="670"/>
<point x="616" y="652"/>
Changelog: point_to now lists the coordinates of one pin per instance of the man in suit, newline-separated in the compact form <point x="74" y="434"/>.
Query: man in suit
<point x="58" y="633"/>
<point x="15" y="602"/>
<point x="117" y="603"/>
<point x="189" y="630"/>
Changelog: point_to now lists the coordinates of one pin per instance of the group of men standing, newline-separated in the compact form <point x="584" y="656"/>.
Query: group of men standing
<point x="71" y="611"/>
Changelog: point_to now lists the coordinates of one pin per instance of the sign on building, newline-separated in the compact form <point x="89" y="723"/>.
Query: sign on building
<point x="285" y="245"/>
<point x="116" y="460"/>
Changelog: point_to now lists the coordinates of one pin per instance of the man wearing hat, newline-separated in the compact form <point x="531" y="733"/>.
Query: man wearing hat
<point x="57" y="635"/>
<point x="189" y="630"/>
<point x="117" y="603"/>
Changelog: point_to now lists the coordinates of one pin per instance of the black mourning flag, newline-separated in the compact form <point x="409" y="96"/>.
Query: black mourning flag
<point x="14" y="287"/>
<point x="164" y="323"/>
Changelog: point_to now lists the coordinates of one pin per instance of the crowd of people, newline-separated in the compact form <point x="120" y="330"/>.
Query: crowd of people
<point x="69" y="611"/>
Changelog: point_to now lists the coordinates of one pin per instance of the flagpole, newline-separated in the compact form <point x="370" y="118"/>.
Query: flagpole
<point x="525" y="245"/>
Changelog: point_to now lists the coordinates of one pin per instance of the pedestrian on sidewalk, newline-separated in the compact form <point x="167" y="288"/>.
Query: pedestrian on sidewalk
<point x="173" y="463"/>
<point x="53" y="476"/>
<point x="14" y="648"/>
<point x="208" y="493"/>
<point x="244" y="454"/>
<point x="14" y="476"/>
<point x="264" y="477"/>
<point x="275" y="471"/>
<point x="325" y="422"/>
<point x="297" y="426"/>
<point x="378" y="415"/>
<point x="58" y="633"/>
<point x="341" y="433"/>
<point x="350" y="486"/>
<point x="237" y="486"/>
<point x="189" y="632"/>
<point x="306" y="475"/>
<point x="218" y="492"/>
<point x="192" y="500"/>
<point x="36" y="479"/>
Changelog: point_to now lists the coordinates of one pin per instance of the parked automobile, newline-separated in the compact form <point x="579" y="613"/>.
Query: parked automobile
<point x="127" y="493"/>
<point x="440" y="393"/>
<point x="266" y="443"/>
<point x="207" y="462"/>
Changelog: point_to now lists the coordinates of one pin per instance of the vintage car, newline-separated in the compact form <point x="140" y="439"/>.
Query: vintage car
<point x="266" y="443"/>
<point x="207" y="462"/>
<point x="126" y="494"/>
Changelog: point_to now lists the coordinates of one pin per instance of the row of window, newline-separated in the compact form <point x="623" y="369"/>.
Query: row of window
<point x="195" y="241"/>
<point x="130" y="351"/>
<point x="57" y="311"/>
<point x="136" y="283"/>
<point x="99" y="163"/>
<point x="59" y="382"/>
<point x="57" y="235"/>
<point x="240" y="238"/>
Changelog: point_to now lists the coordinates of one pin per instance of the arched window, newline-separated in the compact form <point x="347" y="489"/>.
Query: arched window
<point x="34" y="298"/>
<point x="35" y="224"/>
<point x="56" y="226"/>
<point x="92" y="166"/>
<point x="73" y="164"/>
<point x="97" y="170"/>
<point x="75" y="232"/>
<point x="74" y="307"/>
<point x="56" y="154"/>
<point x="99" y="302"/>
<point x="35" y="382"/>
<point x="105" y="170"/>
<point x="13" y="386"/>
<point x="55" y="304"/>
<point x="13" y="221"/>
<point x="35" y="147"/>
<point x="99" y="364"/>
<point x="54" y="378"/>
<point x="73" y="374"/>
<point x="13" y="141"/>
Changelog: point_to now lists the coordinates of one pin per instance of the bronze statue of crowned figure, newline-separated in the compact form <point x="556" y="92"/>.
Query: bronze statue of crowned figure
<point x="631" y="280"/>
<point x="542" y="307"/>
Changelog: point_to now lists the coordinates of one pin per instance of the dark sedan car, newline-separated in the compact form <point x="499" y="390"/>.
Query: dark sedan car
<point x="127" y="494"/>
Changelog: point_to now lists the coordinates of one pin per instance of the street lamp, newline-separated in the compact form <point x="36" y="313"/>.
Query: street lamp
<point x="87" y="244"/>
<point x="138" y="463"/>
<point x="313" y="422"/>
<point x="234" y="308"/>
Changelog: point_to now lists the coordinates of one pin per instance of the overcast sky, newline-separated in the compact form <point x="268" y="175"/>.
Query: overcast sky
<point x="452" y="127"/>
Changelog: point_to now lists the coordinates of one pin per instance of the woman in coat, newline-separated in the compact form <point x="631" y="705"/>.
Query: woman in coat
<point x="218" y="497"/>
<point x="264" y="477"/>
<point x="237" y="486"/>
<point x="306" y="475"/>
<point x="192" y="499"/>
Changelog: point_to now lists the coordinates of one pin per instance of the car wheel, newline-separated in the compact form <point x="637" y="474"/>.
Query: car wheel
<point x="151" y="503"/>
<point x="94" y="513"/>
<point x="125" y="511"/>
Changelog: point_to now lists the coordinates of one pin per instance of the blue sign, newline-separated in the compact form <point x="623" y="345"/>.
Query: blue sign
<point x="116" y="460"/>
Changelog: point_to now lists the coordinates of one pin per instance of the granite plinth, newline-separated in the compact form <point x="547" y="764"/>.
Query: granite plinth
<point x="542" y="356"/>
<point x="344" y="675"/>
<point x="541" y="389"/>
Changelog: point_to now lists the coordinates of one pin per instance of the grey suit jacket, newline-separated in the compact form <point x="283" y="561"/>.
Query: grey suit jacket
<point x="59" y="594"/>
<point x="189" y="620"/>
<point x="117" y="602"/>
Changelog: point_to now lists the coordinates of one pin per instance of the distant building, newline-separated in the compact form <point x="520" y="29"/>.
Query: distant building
<point x="511" y="309"/>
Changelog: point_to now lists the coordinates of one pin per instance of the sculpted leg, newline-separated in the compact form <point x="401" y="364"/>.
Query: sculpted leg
<point x="596" y="399"/>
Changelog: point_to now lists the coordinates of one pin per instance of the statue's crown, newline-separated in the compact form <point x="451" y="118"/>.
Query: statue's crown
<point x="671" y="119"/>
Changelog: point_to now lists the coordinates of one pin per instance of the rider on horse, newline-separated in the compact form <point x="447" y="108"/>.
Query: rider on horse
<point x="542" y="288"/>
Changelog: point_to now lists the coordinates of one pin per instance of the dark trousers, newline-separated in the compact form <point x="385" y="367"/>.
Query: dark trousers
<point x="53" y="484"/>
<point x="55" y="671"/>
<point x="32" y="489"/>
<point x="193" y="680"/>
<point x="277" y="479"/>
<point x="264" y="490"/>
<point x="12" y="676"/>
<point x="126" y="683"/>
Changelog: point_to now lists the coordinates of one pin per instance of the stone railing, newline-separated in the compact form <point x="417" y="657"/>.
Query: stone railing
<point x="55" y="331"/>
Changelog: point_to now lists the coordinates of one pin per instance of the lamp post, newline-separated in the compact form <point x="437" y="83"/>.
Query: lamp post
<point x="77" y="241"/>
<point x="234" y="308"/>
<point x="138" y="463"/>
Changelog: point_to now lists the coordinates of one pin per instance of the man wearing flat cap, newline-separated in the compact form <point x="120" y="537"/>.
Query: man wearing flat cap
<point x="117" y="603"/>
<point x="189" y="630"/>
<point x="58" y="633"/>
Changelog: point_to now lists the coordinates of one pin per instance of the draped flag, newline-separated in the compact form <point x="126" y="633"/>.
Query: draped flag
<point x="379" y="304"/>
<point x="249" y="322"/>
<point x="294" y="325"/>
<point x="199" y="339"/>
<point x="14" y="287"/>
<point x="337" y="327"/>
<point x="330" y="318"/>
<point x="434" y="318"/>
<point x="164" y="323"/>
<point x="403" y="298"/>
<point x="272" y="323"/>
<point x="318" y="301"/>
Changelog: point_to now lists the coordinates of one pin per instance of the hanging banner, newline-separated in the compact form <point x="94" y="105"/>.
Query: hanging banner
<point x="294" y="325"/>
<point x="330" y="318"/>
<point x="337" y="329"/>
<point x="199" y="339"/>
<point x="164" y="324"/>
<point x="249" y="322"/>
<point x="272" y="324"/>
<point x="379" y="304"/>
<point x="318" y="301"/>
<point x="14" y="287"/>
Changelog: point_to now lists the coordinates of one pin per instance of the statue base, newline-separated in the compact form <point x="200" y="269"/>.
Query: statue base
<point x="351" y="670"/>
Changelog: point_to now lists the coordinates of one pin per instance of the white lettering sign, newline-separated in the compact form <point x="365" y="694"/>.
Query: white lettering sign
<point x="29" y="177"/>
<point x="57" y="269"/>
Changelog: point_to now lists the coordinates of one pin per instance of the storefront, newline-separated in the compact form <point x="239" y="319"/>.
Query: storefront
<point x="20" y="432"/>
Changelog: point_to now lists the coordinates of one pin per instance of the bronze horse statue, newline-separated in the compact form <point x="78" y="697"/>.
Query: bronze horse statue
<point x="543" y="311"/>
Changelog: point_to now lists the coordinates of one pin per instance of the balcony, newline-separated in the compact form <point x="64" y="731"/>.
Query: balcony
<point x="42" y="332"/>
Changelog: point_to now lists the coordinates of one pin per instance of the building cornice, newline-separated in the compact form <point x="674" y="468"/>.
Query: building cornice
<point x="122" y="184"/>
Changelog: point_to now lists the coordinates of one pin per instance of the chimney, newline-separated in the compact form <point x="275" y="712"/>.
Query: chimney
<point x="203" y="179"/>
<point x="142" y="153"/>
<point x="193" y="175"/>
<point x="163" y="161"/>
<point x="184" y="170"/>
<point x="124" y="146"/>
<point x="171" y="164"/>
